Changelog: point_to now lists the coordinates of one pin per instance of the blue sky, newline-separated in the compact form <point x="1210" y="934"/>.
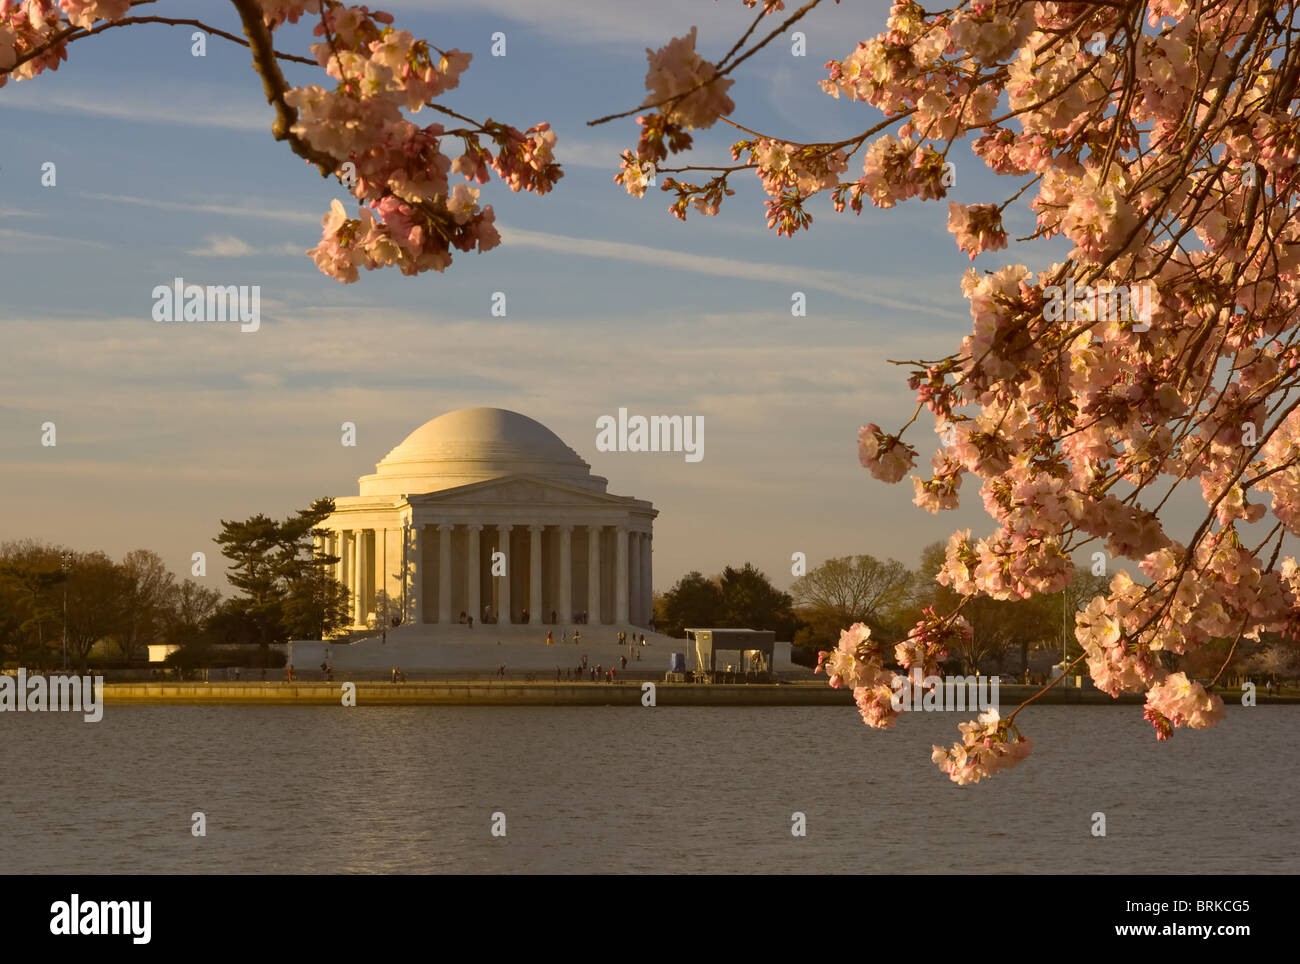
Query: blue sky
<point x="165" y="168"/>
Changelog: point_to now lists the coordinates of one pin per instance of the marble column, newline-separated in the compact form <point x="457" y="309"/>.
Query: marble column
<point x="593" y="574"/>
<point x="620" y="578"/>
<point x="503" y="599"/>
<point x="535" y="575"/>
<point x="359" y="578"/>
<point x="647" y="581"/>
<point x="345" y="560"/>
<point x="473" y="598"/>
<point x="634" y="565"/>
<point x="566" y="575"/>
<point x="444" y="573"/>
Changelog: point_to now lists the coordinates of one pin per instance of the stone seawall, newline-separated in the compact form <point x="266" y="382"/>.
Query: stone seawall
<point x="483" y="693"/>
<point x="453" y="693"/>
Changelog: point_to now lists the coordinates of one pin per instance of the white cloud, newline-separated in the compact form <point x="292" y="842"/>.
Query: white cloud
<point x="224" y="246"/>
<point x="229" y="246"/>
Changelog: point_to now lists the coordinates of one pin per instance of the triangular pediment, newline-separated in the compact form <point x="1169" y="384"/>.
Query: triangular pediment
<point x="518" y="490"/>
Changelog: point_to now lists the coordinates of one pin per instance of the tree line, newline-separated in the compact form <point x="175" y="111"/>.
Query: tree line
<point x="889" y="597"/>
<point x="285" y="590"/>
<point x="126" y="605"/>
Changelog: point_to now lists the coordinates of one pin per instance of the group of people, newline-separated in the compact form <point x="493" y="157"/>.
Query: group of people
<point x="587" y="673"/>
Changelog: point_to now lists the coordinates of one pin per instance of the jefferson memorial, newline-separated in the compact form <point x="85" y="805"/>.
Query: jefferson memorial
<point x="486" y="513"/>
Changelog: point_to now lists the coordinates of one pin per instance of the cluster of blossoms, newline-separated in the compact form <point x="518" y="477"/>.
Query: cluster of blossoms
<point x="791" y="173"/>
<point x="857" y="662"/>
<point x="939" y="492"/>
<point x="988" y="744"/>
<point x="886" y="456"/>
<point x="411" y="216"/>
<point x="83" y="13"/>
<point x="696" y="96"/>
<point x="635" y="175"/>
<point x="929" y="642"/>
<point x="686" y="93"/>
<point x="1185" y="608"/>
<point x="891" y="171"/>
<point x="977" y="227"/>
<point x="1180" y="702"/>
<point x="1013" y="567"/>
<point x="415" y="219"/>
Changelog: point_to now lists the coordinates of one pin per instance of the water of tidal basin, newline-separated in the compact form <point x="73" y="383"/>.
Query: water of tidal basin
<point x="413" y="789"/>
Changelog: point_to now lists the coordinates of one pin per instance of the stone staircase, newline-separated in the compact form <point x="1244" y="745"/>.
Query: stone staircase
<point x="455" y="649"/>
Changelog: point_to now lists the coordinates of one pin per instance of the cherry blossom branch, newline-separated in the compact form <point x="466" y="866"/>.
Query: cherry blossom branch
<point x="275" y="86"/>
<point x="80" y="33"/>
<point x="719" y="71"/>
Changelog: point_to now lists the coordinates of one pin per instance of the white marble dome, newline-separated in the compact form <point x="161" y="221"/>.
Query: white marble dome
<point x="474" y="445"/>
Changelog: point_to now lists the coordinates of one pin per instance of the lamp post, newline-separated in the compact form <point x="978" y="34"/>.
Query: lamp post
<point x="65" y="561"/>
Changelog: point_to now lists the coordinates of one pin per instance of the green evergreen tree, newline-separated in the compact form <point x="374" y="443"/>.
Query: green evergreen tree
<point x="289" y="590"/>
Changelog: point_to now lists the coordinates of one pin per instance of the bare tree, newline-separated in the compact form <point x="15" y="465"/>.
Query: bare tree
<point x="852" y="589"/>
<point x="96" y="586"/>
<point x="148" y="589"/>
<point x="189" y="606"/>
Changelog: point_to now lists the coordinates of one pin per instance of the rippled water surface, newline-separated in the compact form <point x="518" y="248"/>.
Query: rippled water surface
<point x="414" y="789"/>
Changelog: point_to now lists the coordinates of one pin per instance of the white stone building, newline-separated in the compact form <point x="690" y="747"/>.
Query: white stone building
<point x="486" y="512"/>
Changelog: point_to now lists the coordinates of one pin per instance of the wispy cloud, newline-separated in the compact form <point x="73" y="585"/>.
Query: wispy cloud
<point x="583" y="21"/>
<point x="857" y="287"/>
<point x="889" y="292"/>
<point x="147" y="110"/>
<point x="26" y="242"/>
<point x="589" y="153"/>
<point x="260" y="211"/>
